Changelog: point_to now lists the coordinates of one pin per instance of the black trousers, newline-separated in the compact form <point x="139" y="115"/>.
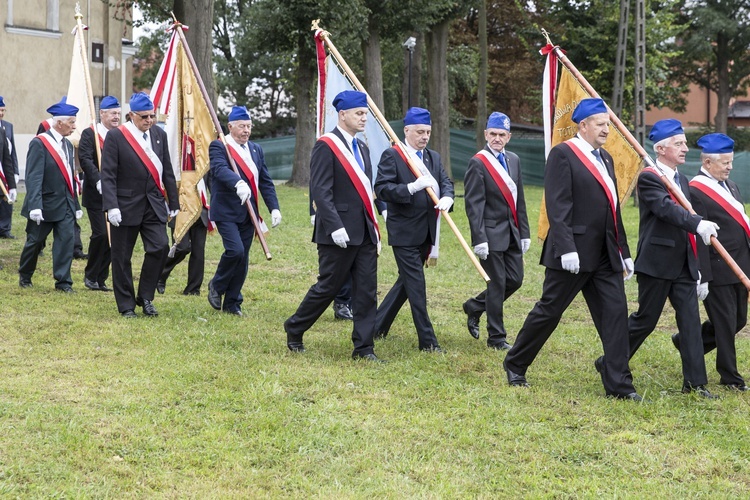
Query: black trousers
<point x="100" y="256"/>
<point x="604" y="292"/>
<point x="63" y="235"/>
<point x="726" y="306"/>
<point x="6" y="217"/>
<point x="335" y="266"/>
<point x="193" y="244"/>
<point x="652" y="295"/>
<point x="505" y="270"/>
<point x="409" y="285"/>
<point x="153" y="234"/>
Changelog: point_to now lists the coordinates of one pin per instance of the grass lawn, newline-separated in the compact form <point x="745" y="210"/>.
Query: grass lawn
<point x="196" y="403"/>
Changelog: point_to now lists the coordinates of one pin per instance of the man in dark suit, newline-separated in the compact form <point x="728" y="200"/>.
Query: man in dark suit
<point x="51" y="202"/>
<point x="230" y="214"/>
<point x="586" y="250"/>
<point x="139" y="193"/>
<point x="667" y="263"/>
<point x="346" y="231"/>
<point x="6" y="206"/>
<point x="496" y="209"/>
<point x="412" y="223"/>
<point x="717" y="198"/>
<point x="99" y="258"/>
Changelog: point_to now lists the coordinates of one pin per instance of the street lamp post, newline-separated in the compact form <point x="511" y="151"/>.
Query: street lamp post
<point x="410" y="43"/>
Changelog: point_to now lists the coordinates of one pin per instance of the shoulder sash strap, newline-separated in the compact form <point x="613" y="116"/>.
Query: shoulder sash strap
<point x="147" y="162"/>
<point x="55" y="154"/>
<point x="739" y="217"/>
<point x="499" y="179"/>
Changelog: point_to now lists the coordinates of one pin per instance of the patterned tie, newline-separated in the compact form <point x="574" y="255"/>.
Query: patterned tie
<point x="501" y="159"/>
<point x="357" y="156"/>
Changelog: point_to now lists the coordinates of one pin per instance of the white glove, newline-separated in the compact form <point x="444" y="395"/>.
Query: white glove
<point x="629" y="268"/>
<point x="421" y="183"/>
<point x="340" y="237"/>
<point x="706" y="229"/>
<point x="312" y="219"/>
<point x="275" y="217"/>
<point x="99" y="186"/>
<point x="17" y="177"/>
<point x="525" y="244"/>
<point x="243" y="191"/>
<point x="702" y="291"/>
<point x="36" y="216"/>
<point x="482" y="250"/>
<point x="114" y="216"/>
<point x="444" y="204"/>
<point x="12" y="195"/>
<point x="173" y="213"/>
<point x="79" y="214"/>
<point x="570" y="262"/>
<point x="380" y="247"/>
<point x="384" y="213"/>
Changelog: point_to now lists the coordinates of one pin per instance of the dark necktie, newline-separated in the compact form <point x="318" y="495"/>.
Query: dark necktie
<point x="501" y="159"/>
<point x="357" y="156"/>
<point x="598" y="155"/>
<point x="723" y="184"/>
<point x="145" y="136"/>
<point x="419" y="155"/>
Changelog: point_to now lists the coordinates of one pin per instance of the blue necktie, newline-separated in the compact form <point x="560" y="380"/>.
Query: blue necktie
<point x="357" y="156"/>
<point x="419" y="155"/>
<point x="501" y="159"/>
<point x="722" y="184"/>
<point x="145" y="136"/>
<point x="598" y="155"/>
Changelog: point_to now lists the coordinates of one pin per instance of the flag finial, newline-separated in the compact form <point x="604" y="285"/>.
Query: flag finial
<point x="545" y="33"/>
<point x="78" y="11"/>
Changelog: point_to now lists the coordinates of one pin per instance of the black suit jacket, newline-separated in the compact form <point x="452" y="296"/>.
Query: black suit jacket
<point x="579" y="213"/>
<point x="730" y="234"/>
<point x="46" y="188"/>
<point x="490" y="216"/>
<point x="337" y="202"/>
<point x="90" y="165"/>
<point x="663" y="242"/>
<point x="7" y="161"/>
<point x="128" y="185"/>
<point x="411" y="218"/>
<point x="8" y="128"/>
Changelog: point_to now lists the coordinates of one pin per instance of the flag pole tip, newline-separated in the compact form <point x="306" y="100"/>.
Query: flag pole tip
<point x="315" y="25"/>
<point x="78" y="10"/>
<point x="546" y="35"/>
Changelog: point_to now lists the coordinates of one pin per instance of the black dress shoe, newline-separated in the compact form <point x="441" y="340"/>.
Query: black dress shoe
<point x="294" y="342"/>
<point x="472" y="323"/>
<point x="433" y="348"/>
<point x="161" y="286"/>
<point x="65" y="289"/>
<point x="7" y="236"/>
<point x="599" y="364"/>
<point x="235" y="312"/>
<point x="129" y="314"/>
<point x="380" y="335"/>
<point x="148" y="306"/>
<point x="24" y="283"/>
<point x="213" y="297"/>
<point x="91" y="285"/>
<point x="633" y="396"/>
<point x="501" y="346"/>
<point x="676" y="341"/>
<point x="736" y="387"/>
<point x="700" y="390"/>
<point x="104" y="288"/>
<point x="342" y="311"/>
<point x="196" y="293"/>
<point x="80" y="255"/>
<point x="515" y="379"/>
<point x="367" y="357"/>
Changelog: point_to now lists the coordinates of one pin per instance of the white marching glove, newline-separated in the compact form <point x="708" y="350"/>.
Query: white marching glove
<point x="312" y="219"/>
<point x="706" y="229"/>
<point x="384" y="213"/>
<point x="79" y="214"/>
<point x="570" y="262"/>
<point x="173" y="213"/>
<point x="12" y="194"/>
<point x="99" y="186"/>
<point x="525" y="245"/>
<point x="482" y="250"/>
<point x="380" y="248"/>
<point x="243" y="191"/>
<point x="275" y="217"/>
<point x="629" y="268"/>
<point x="36" y="216"/>
<point x="340" y="237"/>
<point x="421" y="183"/>
<point x="17" y="177"/>
<point x="702" y="291"/>
<point x="115" y="216"/>
<point x="444" y="204"/>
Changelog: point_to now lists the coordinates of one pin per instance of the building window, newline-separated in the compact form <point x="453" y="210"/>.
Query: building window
<point x="26" y="18"/>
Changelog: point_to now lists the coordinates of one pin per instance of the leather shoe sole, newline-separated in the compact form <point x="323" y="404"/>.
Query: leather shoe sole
<point x="296" y="346"/>
<point x="514" y="379"/>
<point x="129" y="314"/>
<point x="24" y="283"/>
<point x="502" y="346"/>
<point x="161" y="287"/>
<point x="367" y="357"/>
<point x="213" y="297"/>
<point x="472" y="323"/>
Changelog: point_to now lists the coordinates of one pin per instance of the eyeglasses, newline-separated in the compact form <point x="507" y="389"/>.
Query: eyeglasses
<point x="145" y="117"/>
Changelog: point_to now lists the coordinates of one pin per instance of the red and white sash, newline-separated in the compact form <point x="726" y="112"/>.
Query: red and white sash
<point x="201" y="187"/>
<point x="503" y="180"/>
<point x="723" y="198"/>
<point x="46" y="124"/>
<point x="246" y="164"/>
<point x="145" y="154"/>
<point x="356" y="175"/>
<point x="57" y="155"/>
<point x="691" y="236"/>
<point x="101" y="132"/>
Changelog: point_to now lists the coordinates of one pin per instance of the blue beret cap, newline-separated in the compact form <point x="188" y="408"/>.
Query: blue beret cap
<point x="349" y="99"/>
<point x="62" y="108"/>
<point x="417" y="116"/>
<point x="664" y="129"/>
<point x="238" y="113"/>
<point x="498" y="120"/>
<point x="588" y="107"/>
<point x="716" y="144"/>
<point x="141" y="102"/>
<point x="109" y="102"/>
<point x="2" y="102"/>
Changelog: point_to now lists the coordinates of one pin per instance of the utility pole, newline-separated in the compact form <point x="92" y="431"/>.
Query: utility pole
<point x="622" y="47"/>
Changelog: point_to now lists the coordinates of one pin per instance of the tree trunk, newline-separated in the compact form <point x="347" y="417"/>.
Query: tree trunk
<point x="305" y="124"/>
<point x="437" y="90"/>
<point x="416" y="74"/>
<point x="724" y="92"/>
<point x="198" y="15"/>
<point x="482" y="77"/>
<point x="373" y="64"/>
